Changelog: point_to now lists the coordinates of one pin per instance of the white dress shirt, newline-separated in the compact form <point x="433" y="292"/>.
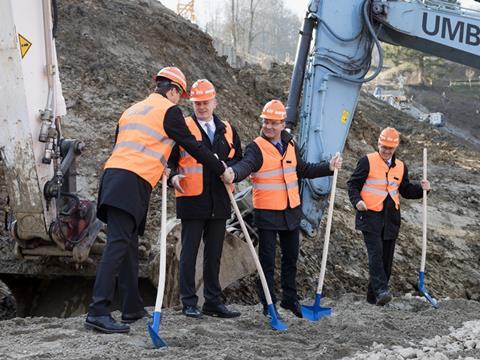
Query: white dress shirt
<point x="211" y="124"/>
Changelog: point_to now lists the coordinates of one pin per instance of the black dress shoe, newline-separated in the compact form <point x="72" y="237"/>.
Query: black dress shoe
<point x="384" y="298"/>
<point x="105" y="324"/>
<point x="219" y="310"/>
<point x="129" y="318"/>
<point x="294" y="307"/>
<point x="192" y="311"/>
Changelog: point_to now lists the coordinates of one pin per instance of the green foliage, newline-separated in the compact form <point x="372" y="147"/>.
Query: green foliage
<point x="430" y="68"/>
<point x="399" y="54"/>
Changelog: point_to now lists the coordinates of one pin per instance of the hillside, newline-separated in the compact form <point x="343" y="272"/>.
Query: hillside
<point x="116" y="64"/>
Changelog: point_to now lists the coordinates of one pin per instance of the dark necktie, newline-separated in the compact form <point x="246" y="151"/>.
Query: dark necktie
<point x="210" y="132"/>
<point x="279" y="147"/>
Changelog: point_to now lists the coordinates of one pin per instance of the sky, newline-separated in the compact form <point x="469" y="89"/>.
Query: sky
<point x="206" y="8"/>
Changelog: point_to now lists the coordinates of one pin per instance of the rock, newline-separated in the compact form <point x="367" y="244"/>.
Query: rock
<point x="407" y="353"/>
<point x="440" y="356"/>
<point x="470" y="344"/>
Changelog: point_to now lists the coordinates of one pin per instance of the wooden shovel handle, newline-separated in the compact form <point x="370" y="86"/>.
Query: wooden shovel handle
<point x="163" y="248"/>
<point x="424" y="227"/>
<point x="263" y="280"/>
<point x="327" y="232"/>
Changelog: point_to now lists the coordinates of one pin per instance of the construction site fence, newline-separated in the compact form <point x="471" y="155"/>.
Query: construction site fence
<point x="464" y="83"/>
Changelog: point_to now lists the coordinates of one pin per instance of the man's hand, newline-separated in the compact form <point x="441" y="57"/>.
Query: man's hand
<point x="361" y="206"/>
<point x="176" y="182"/>
<point x="425" y="185"/>
<point x="336" y="162"/>
<point x="228" y="176"/>
<point x="167" y="172"/>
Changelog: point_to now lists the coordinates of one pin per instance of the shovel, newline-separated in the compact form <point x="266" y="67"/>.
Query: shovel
<point x="421" y="278"/>
<point x="153" y="328"/>
<point x="275" y="323"/>
<point x="315" y="311"/>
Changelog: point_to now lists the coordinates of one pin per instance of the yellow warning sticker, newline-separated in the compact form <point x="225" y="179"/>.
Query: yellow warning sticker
<point x="345" y="115"/>
<point x="25" y="45"/>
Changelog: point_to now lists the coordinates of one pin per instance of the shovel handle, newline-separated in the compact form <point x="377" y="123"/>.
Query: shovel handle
<point x="263" y="280"/>
<point x="424" y="227"/>
<point x="163" y="248"/>
<point x="327" y="232"/>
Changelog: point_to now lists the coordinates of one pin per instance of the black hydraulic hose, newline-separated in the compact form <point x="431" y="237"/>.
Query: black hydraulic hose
<point x="377" y="44"/>
<point x="299" y="70"/>
<point x="68" y="159"/>
<point x="55" y="18"/>
<point x="338" y="37"/>
<point x="375" y="39"/>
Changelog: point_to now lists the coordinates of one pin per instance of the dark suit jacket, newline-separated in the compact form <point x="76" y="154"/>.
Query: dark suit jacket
<point x="213" y="202"/>
<point x="387" y="220"/>
<point x="289" y="218"/>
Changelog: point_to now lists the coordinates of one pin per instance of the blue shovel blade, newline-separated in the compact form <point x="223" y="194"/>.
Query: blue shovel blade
<point x="153" y="329"/>
<point x="429" y="298"/>
<point x="423" y="290"/>
<point x="275" y="323"/>
<point x="315" y="312"/>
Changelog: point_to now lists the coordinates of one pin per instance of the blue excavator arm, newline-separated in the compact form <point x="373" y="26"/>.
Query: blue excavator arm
<point x="334" y="58"/>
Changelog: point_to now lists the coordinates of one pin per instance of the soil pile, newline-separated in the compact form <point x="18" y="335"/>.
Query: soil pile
<point x="408" y="328"/>
<point x="108" y="52"/>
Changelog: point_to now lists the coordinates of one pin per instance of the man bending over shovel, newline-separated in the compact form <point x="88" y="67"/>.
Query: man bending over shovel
<point x="374" y="190"/>
<point x="275" y="165"/>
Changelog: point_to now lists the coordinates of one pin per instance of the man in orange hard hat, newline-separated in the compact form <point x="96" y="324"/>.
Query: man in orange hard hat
<point x="202" y="202"/>
<point x="374" y="190"/>
<point x="275" y="165"/>
<point x="146" y="134"/>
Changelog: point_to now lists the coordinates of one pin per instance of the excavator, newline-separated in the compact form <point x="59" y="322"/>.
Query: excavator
<point x="44" y="215"/>
<point x="334" y="58"/>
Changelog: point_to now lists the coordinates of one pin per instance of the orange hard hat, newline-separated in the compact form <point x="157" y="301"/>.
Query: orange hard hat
<point x="176" y="75"/>
<point x="274" y="110"/>
<point x="389" y="137"/>
<point x="202" y="90"/>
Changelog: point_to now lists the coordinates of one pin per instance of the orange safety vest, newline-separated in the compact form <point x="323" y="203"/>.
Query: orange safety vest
<point x="143" y="146"/>
<point x="192" y="183"/>
<point x="275" y="184"/>
<point x="381" y="182"/>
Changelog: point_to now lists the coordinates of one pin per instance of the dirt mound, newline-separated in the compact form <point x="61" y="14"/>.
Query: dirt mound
<point x="355" y="330"/>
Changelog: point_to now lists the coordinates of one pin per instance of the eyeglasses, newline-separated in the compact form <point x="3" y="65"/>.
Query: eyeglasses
<point x="272" y="123"/>
<point x="179" y="89"/>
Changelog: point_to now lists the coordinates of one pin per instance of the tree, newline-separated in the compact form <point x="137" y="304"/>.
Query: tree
<point x="251" y="34"/>
<point x="234" y="17"/>
<point x="259" y="28"/>
<point x="398" y="55"/>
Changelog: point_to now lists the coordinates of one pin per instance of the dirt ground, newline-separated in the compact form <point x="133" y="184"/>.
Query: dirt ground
<point x="108" y="52"/>
<point x="407" y="328"/>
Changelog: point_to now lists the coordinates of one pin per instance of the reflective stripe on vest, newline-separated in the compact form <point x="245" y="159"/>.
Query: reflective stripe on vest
<point x="188" y="166"/>
<point x="275" y="184"/>
<point x="192" y="183"/>
<point x="142" y="145"/>
<point x="229" y="138"/>
<point x="381" y="182"/>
